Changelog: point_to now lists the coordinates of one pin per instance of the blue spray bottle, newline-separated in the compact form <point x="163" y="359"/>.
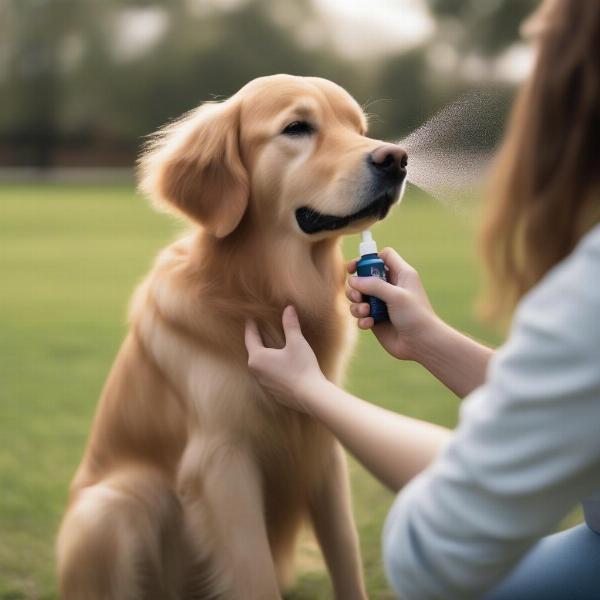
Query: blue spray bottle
<point x="370" y="265"/>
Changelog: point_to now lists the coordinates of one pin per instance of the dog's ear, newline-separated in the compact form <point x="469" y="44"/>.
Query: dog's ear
<point x="194" y="166"/>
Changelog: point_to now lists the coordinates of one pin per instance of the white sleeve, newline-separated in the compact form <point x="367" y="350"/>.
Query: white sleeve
<point x="527" y="447"/>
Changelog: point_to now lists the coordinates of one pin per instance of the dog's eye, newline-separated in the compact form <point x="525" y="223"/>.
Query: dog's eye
<point x="298" y="128"/>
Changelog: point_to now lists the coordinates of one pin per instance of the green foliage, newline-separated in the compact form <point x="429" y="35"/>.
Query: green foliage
<point x="72" y="94"/>
<point x="487" y="26"/>
<point x="68" y="83"/>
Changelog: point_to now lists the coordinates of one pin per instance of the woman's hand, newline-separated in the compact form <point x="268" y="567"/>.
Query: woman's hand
<point x="287" y="372"/>
<point x="412" y="318"/>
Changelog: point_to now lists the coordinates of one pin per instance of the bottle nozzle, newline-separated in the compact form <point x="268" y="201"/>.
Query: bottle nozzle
<point x="368" y="244"/>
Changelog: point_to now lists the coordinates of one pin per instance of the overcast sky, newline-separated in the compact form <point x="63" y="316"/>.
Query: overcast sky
<point x="362" y="28"/>
<point x="377" y="26"/>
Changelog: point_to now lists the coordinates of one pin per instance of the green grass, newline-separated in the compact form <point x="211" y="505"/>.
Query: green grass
<point x="69" y="259"/>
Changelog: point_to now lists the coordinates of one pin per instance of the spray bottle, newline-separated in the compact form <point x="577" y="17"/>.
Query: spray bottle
<point x="370" y="265"/>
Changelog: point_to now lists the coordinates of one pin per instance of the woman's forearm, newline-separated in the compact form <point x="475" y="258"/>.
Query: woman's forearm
<point x="392" y="447"/>
<point x="458" y="361"/>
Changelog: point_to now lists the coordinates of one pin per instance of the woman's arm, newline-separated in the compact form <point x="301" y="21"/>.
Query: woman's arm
<point x="457" y="360"/>
<point x="526" y="449"/>
<point x="393" y="447"/>
<point x="414" y="331"/>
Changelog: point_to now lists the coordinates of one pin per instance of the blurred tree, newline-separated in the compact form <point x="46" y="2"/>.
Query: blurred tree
<point x="485" y="26"/>
<point x="405" y="95"/>
<point x="202" y="57"/>
<point x="82" y="82"/>
<point x="31" y="79"/>
<point x="73" y="73"/>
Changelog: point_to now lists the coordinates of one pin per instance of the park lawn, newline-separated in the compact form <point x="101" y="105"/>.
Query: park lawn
<point x="70" y="256"/>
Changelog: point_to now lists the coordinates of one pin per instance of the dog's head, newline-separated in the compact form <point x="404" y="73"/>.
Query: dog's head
<point x="289" y="154"/>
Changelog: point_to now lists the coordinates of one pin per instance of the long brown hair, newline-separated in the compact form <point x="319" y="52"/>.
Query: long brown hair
<point x="545" y="192"/>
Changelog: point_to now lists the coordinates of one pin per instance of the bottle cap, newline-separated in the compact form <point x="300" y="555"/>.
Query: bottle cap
<point x="368" y="244"/>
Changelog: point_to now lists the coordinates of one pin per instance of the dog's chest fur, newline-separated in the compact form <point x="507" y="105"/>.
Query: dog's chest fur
<point x="194" y="333"/>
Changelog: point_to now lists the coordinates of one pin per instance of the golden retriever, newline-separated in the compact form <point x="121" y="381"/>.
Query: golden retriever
<point x="194" y="483"/>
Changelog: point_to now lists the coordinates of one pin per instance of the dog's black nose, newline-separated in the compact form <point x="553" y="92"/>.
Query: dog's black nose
<point x="389" y="160"/>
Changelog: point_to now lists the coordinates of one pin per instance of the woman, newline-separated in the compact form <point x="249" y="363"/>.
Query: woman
<point x="475" y="502"/>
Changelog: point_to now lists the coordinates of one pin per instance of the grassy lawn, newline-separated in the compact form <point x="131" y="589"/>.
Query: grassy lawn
<point x="69" y="258"/>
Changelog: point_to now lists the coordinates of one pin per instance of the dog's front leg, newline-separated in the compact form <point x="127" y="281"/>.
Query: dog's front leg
<point x="331" y="514"/>
<point x="221" y="478"/>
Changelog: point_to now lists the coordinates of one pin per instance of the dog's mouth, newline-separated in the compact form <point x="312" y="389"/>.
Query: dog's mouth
<point x="312" y="221"/>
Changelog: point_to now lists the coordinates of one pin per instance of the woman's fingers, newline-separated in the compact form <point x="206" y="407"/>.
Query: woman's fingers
<point x="366" y="323"/>
<point x="252" y="337"/>
<point x="353" y="295"/>
<point x="254" y="345"/>
<point x="351" y="266"/>
<point x="290" y="322"/>
<point x="360" y="310"/>
<point x="373" y="286"/>
<point x="393" y="261"/>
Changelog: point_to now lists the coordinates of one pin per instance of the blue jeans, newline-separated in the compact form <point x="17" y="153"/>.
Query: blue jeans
<point x="563" y="566"/>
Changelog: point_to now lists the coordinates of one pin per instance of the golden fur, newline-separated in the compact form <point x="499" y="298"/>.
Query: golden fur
<point x="194" y="483"/>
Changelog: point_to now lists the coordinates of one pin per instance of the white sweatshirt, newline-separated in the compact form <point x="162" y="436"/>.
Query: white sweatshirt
<point x="526" y="450"/>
